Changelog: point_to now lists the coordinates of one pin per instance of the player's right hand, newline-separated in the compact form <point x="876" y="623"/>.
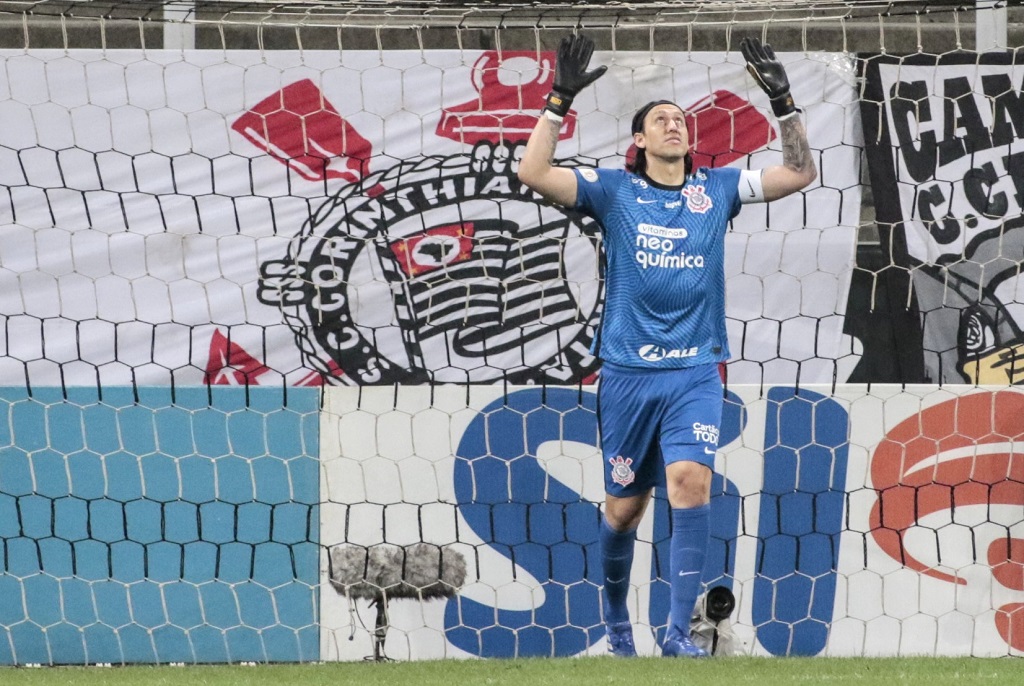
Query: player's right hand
<point x="571" y="75"/>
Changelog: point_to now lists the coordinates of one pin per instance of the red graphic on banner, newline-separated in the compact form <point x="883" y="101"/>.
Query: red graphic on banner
<point x="434" y="248"/>
<point x="506" y="108"/>
<point x="952" y="455"/>
<point x="1006" y="557"/>
<point x="723" y="127"/>
<point x="230" y="364"/>
<point x="300" y="128"/>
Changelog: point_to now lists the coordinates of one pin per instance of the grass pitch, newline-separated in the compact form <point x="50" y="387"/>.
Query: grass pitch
<point x="590" y="671"/>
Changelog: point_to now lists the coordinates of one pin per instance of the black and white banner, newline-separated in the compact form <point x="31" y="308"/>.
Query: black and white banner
<point x="308" y="217"/>
<point x="945" y="144"/>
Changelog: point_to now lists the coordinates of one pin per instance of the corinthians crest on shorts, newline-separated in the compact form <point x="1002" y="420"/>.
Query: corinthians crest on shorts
<point x="622" y="470"/>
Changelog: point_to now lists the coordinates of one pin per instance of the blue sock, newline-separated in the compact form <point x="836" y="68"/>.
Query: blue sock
<point x="616" y="561"/>
<point x="688" y="548"/>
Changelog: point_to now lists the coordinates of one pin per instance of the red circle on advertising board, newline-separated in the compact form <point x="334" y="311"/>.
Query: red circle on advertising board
<point x="957" y="453"/>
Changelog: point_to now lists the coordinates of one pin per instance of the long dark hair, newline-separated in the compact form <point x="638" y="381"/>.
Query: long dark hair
<point x="639" y="163"/>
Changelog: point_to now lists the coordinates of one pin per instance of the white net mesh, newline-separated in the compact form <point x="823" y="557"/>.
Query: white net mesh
<point x="289" y="355"/>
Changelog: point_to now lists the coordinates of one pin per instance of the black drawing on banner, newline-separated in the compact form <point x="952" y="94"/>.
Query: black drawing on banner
<point x="442" y="269"/>
<point x="945" y="143"/>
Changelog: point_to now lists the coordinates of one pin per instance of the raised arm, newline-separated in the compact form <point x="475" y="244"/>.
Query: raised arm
<point x="797" y="170"/>
<point x="571" y="76"/>
<point x="556" y="184"/>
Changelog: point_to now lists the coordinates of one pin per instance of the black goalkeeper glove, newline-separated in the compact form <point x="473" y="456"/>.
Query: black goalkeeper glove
<point x="770" y="75"/>
<point x="571" y="75"/>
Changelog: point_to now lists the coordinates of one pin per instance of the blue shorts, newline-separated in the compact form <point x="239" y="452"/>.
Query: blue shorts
<point x="651" y="418"/>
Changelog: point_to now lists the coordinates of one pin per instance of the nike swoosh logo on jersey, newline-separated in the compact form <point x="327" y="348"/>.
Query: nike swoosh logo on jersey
<point x="709" y="451"/>
<point x="645" y="202"/>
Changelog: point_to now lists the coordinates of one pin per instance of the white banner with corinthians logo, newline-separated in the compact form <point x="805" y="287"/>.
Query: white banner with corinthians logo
<point x="302" y="218"/>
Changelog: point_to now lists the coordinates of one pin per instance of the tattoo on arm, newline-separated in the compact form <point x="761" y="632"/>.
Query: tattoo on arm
<point x="552" y="140"/>
<point x="796" y="151"/>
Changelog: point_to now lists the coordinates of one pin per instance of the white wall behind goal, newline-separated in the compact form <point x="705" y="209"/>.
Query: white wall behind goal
<point x="885" y="522"/>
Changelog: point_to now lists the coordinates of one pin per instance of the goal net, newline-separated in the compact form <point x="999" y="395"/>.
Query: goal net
<point x="293" y="367"/>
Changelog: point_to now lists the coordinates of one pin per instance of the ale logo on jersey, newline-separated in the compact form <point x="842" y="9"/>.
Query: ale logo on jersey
<point x="656" y="353"/>
<point x="437" y="269"/>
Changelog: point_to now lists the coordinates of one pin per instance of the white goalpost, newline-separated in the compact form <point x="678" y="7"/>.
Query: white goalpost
<point x="294" y="369"/>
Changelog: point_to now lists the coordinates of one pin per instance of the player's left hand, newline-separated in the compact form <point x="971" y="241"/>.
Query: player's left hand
<point x="770" y="75"/>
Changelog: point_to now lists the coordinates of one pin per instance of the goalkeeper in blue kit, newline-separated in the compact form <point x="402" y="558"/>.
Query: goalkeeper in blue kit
<point x="662" y="334"/>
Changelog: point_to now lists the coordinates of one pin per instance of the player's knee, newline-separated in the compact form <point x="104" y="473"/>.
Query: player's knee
<point x="689" y="484"/>
<point x="624" y="514"/>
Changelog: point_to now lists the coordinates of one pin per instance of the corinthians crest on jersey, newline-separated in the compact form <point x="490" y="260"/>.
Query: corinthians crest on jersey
<point x="441" y="269"/>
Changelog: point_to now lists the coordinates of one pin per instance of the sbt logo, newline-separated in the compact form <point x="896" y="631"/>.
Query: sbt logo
<point x="655" y="353"/>
<point x="655" y="245"/>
